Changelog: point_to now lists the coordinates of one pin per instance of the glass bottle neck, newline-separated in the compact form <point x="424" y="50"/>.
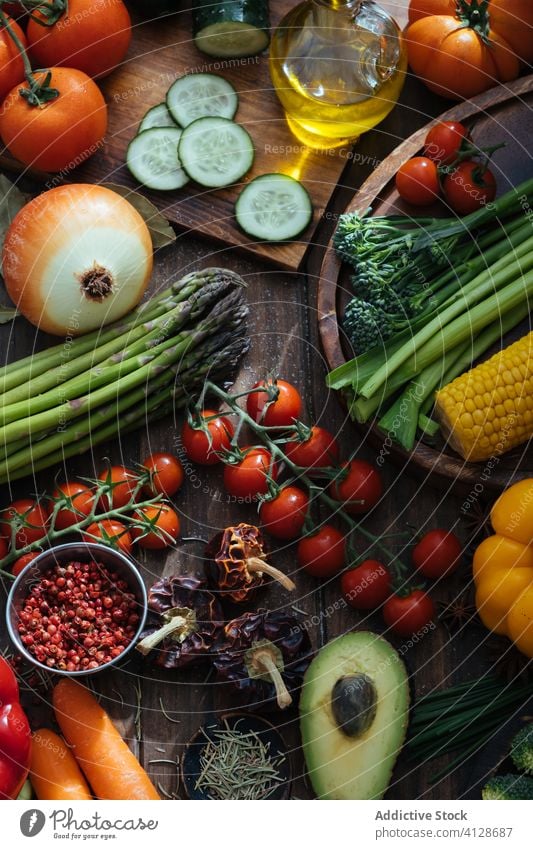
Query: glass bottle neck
<point x="350" y="5"/>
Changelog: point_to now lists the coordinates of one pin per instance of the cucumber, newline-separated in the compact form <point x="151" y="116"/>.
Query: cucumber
<point x="231" y="27"/>
<point x="152" y="158"/>
<point x="215" y="152"/>
<point x="274" y="208"/>
<point x="157" y="116"/>
<point x="200" y="96"/>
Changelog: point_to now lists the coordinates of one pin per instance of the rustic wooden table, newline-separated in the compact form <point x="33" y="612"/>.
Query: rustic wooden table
<point x="284" y="341"/>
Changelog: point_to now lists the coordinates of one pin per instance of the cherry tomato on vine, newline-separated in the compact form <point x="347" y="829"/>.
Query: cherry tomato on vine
<point x="4" y="547"/>
<point x="111" y="533"/>
<point x="203" y="449"/>
<point x="321" y="449"/>
<point x="406" y="615"/>
<point x="22" y="562"/>
<point x="357" y="481"/>
<point x="469" y="187"/>
<point x="123" y="482"/>
<point x="367" y="586"/>
<point x="249" y="477"/>
<point x="81" y="500"/>
<point x="284" y="515"/>
<point x="279" y="413"/>
<point x="166" y="474"/>
<point x="438" y="553"/>
<point x="166" y="526"/>
<point x="417" y="181"/>
<point x="323" y="553"/>
<point x="444" y="141"/>
<point x="30" y="519"/>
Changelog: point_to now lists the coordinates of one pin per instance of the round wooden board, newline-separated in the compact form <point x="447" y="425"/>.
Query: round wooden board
<point x="504" y="113"/>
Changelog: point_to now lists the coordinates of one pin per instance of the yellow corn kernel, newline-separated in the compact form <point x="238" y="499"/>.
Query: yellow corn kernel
<point x="503" y="415"/>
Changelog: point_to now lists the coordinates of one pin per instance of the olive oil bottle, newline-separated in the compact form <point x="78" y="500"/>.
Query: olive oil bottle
<point x="338" y="67"/>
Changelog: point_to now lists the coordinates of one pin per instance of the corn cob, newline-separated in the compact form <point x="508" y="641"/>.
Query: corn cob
<point x="489" y="410"/>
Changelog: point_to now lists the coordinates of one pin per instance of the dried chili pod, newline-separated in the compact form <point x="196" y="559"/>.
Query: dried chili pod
<point x="264" y="655"/>
<point x="184" y="622"/>
<point x="236" y="563"/>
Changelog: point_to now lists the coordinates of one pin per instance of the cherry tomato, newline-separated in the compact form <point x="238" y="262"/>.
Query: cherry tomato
<point x="30" y="519"/>
<point x="438" y="553"/>
<point x="4" y="547"/>
<point x="123" y="481"/>
<point x="322" y="554"/>
<point x="321" y="449"/>
<point x="207" y="450"/>
<point x="367" y="586"/>
<point x="469" y="187"/>
<point x="417" y="181"/>
<point x="284" y="515"/>
<point x="22" y="562"/>
<point x="361" y="482"/>
<point x="166" y="474"/>
<point x="406" y="615"/>
<point x="248" y="478"/>
<point x="166" y="526"/>
<point x="81" y="501"/>
<point x="279" y="413"/>
<point x="444" y="141"/>
<point x="111" y="533"/>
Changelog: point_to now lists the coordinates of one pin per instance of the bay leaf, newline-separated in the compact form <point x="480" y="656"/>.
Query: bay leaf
<point x="7" y="314"/>
<point x="11" y="201"/>
<point x="160" y="230"/>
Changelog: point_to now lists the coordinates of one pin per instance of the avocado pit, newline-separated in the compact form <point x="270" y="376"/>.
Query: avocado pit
<point x="354" y="704"/>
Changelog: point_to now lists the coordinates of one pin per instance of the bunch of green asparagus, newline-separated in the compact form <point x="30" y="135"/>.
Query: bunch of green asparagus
<point x="66" y="399"/>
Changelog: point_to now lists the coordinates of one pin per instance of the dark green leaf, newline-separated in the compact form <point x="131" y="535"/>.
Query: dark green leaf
<point x="11" y="201"/>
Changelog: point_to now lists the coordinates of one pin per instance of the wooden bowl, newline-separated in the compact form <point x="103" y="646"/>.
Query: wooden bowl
<point x="504" y="113"/>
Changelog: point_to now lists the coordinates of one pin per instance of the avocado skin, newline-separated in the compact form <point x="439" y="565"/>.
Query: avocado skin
<point x="340" y="767"/>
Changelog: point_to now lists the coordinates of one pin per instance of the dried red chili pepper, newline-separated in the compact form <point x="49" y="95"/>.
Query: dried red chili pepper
<point x="184" y="622"/>
<point x="264" y="655"/>
<point x="15" y="737"/>
<point x="236" y="564"/>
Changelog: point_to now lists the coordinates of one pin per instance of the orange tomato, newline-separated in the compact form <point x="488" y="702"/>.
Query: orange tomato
<point x="63" y="132"/>
<point x="11" y="65"/>
<point x="92" y="36"/>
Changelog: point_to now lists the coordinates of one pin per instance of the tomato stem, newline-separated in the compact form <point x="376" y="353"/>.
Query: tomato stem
<point x="37" y="93"/>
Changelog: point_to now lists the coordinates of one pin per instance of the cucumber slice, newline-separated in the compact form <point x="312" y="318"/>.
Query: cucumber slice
<point x="157" y="116"/>
<point x="199" y="96"/>
<point x="216" y="152"/>
<point x="152" y="158"/>
<point x="274" y="208"/>
<point x="228" y="28"/>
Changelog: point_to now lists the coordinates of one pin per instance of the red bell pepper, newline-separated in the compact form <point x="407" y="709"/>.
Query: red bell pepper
<point x="15" y="738"/>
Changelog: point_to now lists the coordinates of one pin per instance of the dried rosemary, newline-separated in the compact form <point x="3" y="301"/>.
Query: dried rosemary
<point x="238" y="765"/>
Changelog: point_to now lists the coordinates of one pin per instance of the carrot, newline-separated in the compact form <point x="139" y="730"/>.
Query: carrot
<point x="54" y="771"/>
<point x="111" y="768"/>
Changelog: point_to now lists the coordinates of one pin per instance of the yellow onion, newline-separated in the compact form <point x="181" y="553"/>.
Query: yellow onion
<point x="75" y="258"/>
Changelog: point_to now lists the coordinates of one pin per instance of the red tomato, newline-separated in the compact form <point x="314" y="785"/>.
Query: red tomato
<point x="417" y="181"/>
<point x="165" y="523"/>
<point x="284" y="515"/>
<point x="361" y="481"/>
<point x="203" y="449"/>
<point x="406" y="615"/>
<point x="124" y="482"/>
<point x="111" y="533"/>
<point x="322" y="554"/>
<point x="80" y="501"/>
<point x="469" y="187"/>
<point x="22" y="562"/>
<point x="166" y="474"/>
<point x="4" y="547"/>
<point x="249" y="477"/>
<point x="438" y="553"/>
<point x="367" y="586"/>
<point x="444" y="141"/>
<point x="321" y="449"/>
<point x="28" y="517"/>
<point x="280" y="412"/>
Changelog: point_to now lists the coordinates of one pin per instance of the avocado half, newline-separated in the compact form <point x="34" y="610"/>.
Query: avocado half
<point x="354" y="710"/>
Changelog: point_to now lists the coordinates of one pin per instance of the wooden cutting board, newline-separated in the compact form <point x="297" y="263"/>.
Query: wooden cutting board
<point x="163" y="50"/>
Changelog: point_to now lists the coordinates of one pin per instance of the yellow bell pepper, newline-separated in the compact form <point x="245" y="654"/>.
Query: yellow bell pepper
<point x="503" y="568"/>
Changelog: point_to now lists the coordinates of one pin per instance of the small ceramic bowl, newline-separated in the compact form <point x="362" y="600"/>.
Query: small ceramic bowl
<point x="83" y="552"/>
